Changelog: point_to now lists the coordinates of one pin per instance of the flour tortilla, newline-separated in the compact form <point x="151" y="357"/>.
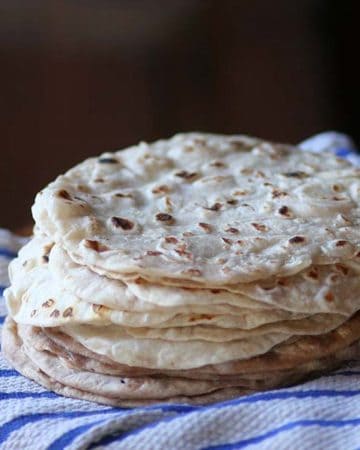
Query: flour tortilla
<point x="300" y="352"/>
<point x="116" y="213"/>
<point x="36" y="298"/>
<point x="12" y="347"/>
<point x="36" y="339"/>
<point x="134" y="296"/>
<point x="77" y="356"/>
<point x="305" y="292"/>
<point x="319" y="289"/>
<point x="37" y="369"/>
<point x="160" y="354"/>
<point x="286" y="355"/>
<point x="134" y="388"/>
<point x="126" y="388"/>
<point x="313" y="325"/>
<point x="44" y="305"/>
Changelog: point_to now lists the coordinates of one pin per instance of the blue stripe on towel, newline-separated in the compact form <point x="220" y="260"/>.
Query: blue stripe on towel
<point x="68" y="437"/>
<point x="269" y="396"/>
<point x="288" y="426"/>
<point x="20" y="395"/>
<point x="343" y="152"/>
<point x="20" y="421"/>
<point x="7" y="253"/>
<point x="8" y="373"/>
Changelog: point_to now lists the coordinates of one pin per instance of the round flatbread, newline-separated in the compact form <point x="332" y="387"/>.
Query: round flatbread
<point x="318" y="289"/>
<point x="216" y="209"/>
<point x="48" y="370"/>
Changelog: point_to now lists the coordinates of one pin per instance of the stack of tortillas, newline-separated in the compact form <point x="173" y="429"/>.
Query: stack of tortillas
<point x="192" y="270"/>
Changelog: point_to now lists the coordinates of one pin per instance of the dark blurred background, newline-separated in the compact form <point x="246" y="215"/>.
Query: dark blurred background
<point x="81" y="77"/>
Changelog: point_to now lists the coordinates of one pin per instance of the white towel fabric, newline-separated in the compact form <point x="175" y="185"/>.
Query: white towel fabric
<point x="321" y="414"/>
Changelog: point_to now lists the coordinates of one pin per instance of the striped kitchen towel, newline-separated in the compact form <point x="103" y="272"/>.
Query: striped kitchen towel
<point x="321" y="414"/>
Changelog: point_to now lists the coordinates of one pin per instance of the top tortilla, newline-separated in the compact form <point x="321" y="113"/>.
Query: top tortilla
<point x="215" y="209"/>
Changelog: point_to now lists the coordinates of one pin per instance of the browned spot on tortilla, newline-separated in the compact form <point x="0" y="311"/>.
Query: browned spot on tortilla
<point x="33" y="312"/>
<point x="341" y="268"/>
<point x="232" y="201"/>
<point x="181" y="250"/>
<point x="201" y="317"/>
<point x="162" y="189"/>
<point x="95" y="245"/>
<point x="215" y="291"/>
<point x="48" y="303"/>
<point x="205" y="226"/>
<point x="68" y="312"/>
<point x="341" y="243"/>
<point x="153" y="253"/>
<point x="240" y="192"/>
<point x="214" y="207"/>
<point x="232" y="230"/>
<point x="227" y="241"/>
<point x="260" y="227"/>
<point x="55" y="313"/>
<point x="64" y="194"/>
<point x="171" y="240"/>
<point x="165" y="218"/>
<point x="313" y="273"/>
<point x="329" y="297"/>
<point x="247" y="171"/>
<point x="284" y="211"/>
<point x="297" y="174"/>
<point x="97" y="308"/>
<point x="297" y="240"/>
<point x="120" y="222"/>
<point x="83" y="188"/>
<point x="217" y="164"/>
<point x="122" y="195"/>
<point x="276" y="193"/>
<point x="186" y="175"/>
